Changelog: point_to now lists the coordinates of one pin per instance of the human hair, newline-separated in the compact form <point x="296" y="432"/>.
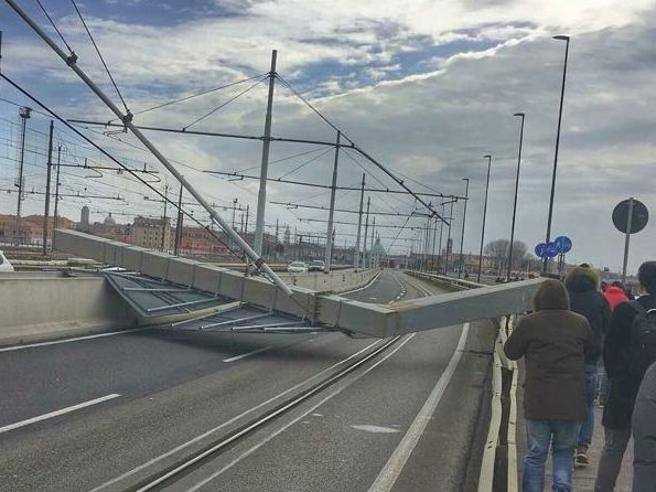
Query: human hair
<point x="551" y="294"/>
<point x="647" y="276"/>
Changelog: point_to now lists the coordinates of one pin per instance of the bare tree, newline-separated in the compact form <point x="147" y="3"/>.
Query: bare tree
<point x="498" y="251"/>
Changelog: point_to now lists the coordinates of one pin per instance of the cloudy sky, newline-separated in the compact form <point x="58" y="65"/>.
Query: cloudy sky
<point x="427" y="87"/>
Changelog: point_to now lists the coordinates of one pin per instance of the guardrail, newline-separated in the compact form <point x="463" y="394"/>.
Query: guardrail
<point x="455" y="283"/>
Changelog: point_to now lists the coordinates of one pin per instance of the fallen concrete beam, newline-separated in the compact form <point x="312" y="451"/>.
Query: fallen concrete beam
<point x="353" y="317"/>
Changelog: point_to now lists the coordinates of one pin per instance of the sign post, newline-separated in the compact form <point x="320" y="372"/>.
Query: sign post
<point x="630" y="217"/>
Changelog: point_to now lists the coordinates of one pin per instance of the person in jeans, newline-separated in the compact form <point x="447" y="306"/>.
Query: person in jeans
<point x="644" y="434"/>
<point x="583" y="286"/>
<point x="554" y="341"/>
<point x="620" y="353"/>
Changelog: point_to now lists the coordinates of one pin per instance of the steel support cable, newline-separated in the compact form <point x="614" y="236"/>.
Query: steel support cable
<point x="302" y="165"/>
<point x="224" y="104"/>
<point x="309" y="105"/>
<point x="102" y="59"/>
<point x="192" y="96"/>
<point x="298" y="154"/>
<point x="357" y="149"/>
<point x="109" y="156"/>
<point x="54" y="26"/>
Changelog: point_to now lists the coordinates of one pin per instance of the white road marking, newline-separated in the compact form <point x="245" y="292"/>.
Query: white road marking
<point x="67" y="340"/>
<point x="248" y="354"/>
<point x="56" y="413"/>
<point x="376" y="429"/>
<point x="394" y="466"/>
<point x="229" y="422"/>
<point x="300" y="417"/>
<point x="365" y="286"/>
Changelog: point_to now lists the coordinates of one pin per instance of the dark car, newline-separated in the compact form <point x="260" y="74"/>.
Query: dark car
<point x="316" y="266"/>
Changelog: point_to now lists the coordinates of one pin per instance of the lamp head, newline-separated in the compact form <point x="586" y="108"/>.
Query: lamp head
<point x="561" y="37"/>
<point x="519" y="114"/>
<point x="487" y="156"/>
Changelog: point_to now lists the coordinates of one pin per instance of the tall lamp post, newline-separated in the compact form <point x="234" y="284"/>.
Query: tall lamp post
<point x="555" y="166"/>
<point x="514" y="216"/>
<point x="487" y="189"/>
<point x="462" y="234"/>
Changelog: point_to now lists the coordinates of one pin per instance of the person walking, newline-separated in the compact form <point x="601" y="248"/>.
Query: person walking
<point x="554" y="341"/>
<point x="629" y="348"/>
<point x="644" y="434"/>
<point x="583" y="286"/>
<point x="615" y="295"/>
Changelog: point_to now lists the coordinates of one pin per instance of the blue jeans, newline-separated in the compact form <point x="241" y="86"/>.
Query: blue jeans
<point x="561" y="435"/>
<point x="591" y="389"/>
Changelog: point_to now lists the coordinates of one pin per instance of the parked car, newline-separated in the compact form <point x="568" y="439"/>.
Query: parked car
<point x="5" y="265"/>
<point x="297" y="267"/>
<point x="317" y="266"/>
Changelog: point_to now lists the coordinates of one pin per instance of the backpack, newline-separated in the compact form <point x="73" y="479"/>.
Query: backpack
<point x="643" y="341"/>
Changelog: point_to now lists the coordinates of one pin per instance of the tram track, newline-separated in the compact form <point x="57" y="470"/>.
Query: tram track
<point x="182" y="467"/>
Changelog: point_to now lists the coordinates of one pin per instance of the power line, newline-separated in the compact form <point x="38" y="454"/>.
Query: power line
<point x="52" y="23"/>
<point x="301" y="166"/>
<point x="319" y="207"/>
<point x="93" y="41"/>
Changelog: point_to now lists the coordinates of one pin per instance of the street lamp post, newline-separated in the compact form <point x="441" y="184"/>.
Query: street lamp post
<point x="555" y="166"/>
<point x="512" y="228"/>
<point x="462" y="234"/>
<point x="487" y="189"/>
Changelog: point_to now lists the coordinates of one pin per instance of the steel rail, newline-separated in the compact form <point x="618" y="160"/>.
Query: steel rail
<point x="169" y="475"/>
<point x="126" y="119"/>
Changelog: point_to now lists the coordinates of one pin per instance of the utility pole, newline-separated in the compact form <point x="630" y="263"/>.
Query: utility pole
<point x="246" y="224"/>
<point x="514" y="215"/>
<point x="24" y="113"/>
<point x="166" y="195"/>
<point x="46" y="212"/>
<point x="366" y="228"/>
<point x="434" y="240"/>
<point x="373" y="233"/>
<point x="234" y="211"/>
<point x="555" y="166"/>
<point x="261" y="197"/>
<point x="54" y="218"/>
<point x="441" y="233"/>
<point x="178" y="225"/>
<point x="462" y="235"/>
<point x="487" y="189"/>
<point x="449" y="243"/>
<point x="331" y="214"/>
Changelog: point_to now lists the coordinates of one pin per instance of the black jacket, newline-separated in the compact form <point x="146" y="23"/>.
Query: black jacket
<point x="617" y="354"/>
<point x="586" y="300"/>
<point x="644" y="434"/>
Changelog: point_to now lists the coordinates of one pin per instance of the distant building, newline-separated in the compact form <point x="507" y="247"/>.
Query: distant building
<point x="152" y="233"/>
<point x="31" y="228"/>
<point x="84" y="219"/>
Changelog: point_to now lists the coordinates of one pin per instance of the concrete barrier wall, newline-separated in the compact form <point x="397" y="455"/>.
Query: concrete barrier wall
<point x="444" y="281"/>
<point x="335" y="281"/>
<point x="41" y="307"/>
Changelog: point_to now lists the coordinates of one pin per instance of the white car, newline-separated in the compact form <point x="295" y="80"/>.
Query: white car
<point x="297" y="267"/>
<point x="5" y="266"/>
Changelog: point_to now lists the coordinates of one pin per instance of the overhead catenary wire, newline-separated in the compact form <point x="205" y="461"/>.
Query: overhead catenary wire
<point x="302" y="165"/>
<point x="108" y="155"/>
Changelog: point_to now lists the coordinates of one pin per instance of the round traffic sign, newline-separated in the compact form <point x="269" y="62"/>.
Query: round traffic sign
<point x="540" y="250"/>
<point x="639" y="217"/>
<point x="551" y="251"/>
<point x="563" y="244"/>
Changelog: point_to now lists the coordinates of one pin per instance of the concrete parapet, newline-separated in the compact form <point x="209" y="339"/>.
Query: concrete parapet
<point x="335" y="281"/>
<point x="36" y="308"/>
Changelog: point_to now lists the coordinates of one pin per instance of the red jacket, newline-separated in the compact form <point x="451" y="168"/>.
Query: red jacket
<point x="615" y="296"/>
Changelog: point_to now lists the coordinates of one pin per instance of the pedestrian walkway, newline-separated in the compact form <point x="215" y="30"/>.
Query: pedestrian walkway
<point x="584" y="478"/>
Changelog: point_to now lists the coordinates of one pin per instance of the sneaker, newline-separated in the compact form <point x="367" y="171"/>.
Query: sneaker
<point x="581" y="457"/>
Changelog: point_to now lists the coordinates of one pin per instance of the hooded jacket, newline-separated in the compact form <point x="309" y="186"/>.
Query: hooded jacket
<point x="586" y="300"/>
<point x="554" y="340"/>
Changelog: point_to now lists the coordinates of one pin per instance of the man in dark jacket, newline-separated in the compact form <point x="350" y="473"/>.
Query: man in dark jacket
<point x="644" y="434"/>
<point x="583" y="287"/>
<point x="554" y="341"/>
<point x="619" y="352"/>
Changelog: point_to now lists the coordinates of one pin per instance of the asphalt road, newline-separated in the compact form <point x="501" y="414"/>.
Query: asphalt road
<point x="160" y="395"/>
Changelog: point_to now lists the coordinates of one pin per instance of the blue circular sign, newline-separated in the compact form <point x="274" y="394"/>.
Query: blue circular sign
<point x="552" y="250"/>
<point x="563" y="243"/>
<point x="540" y="250"/>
